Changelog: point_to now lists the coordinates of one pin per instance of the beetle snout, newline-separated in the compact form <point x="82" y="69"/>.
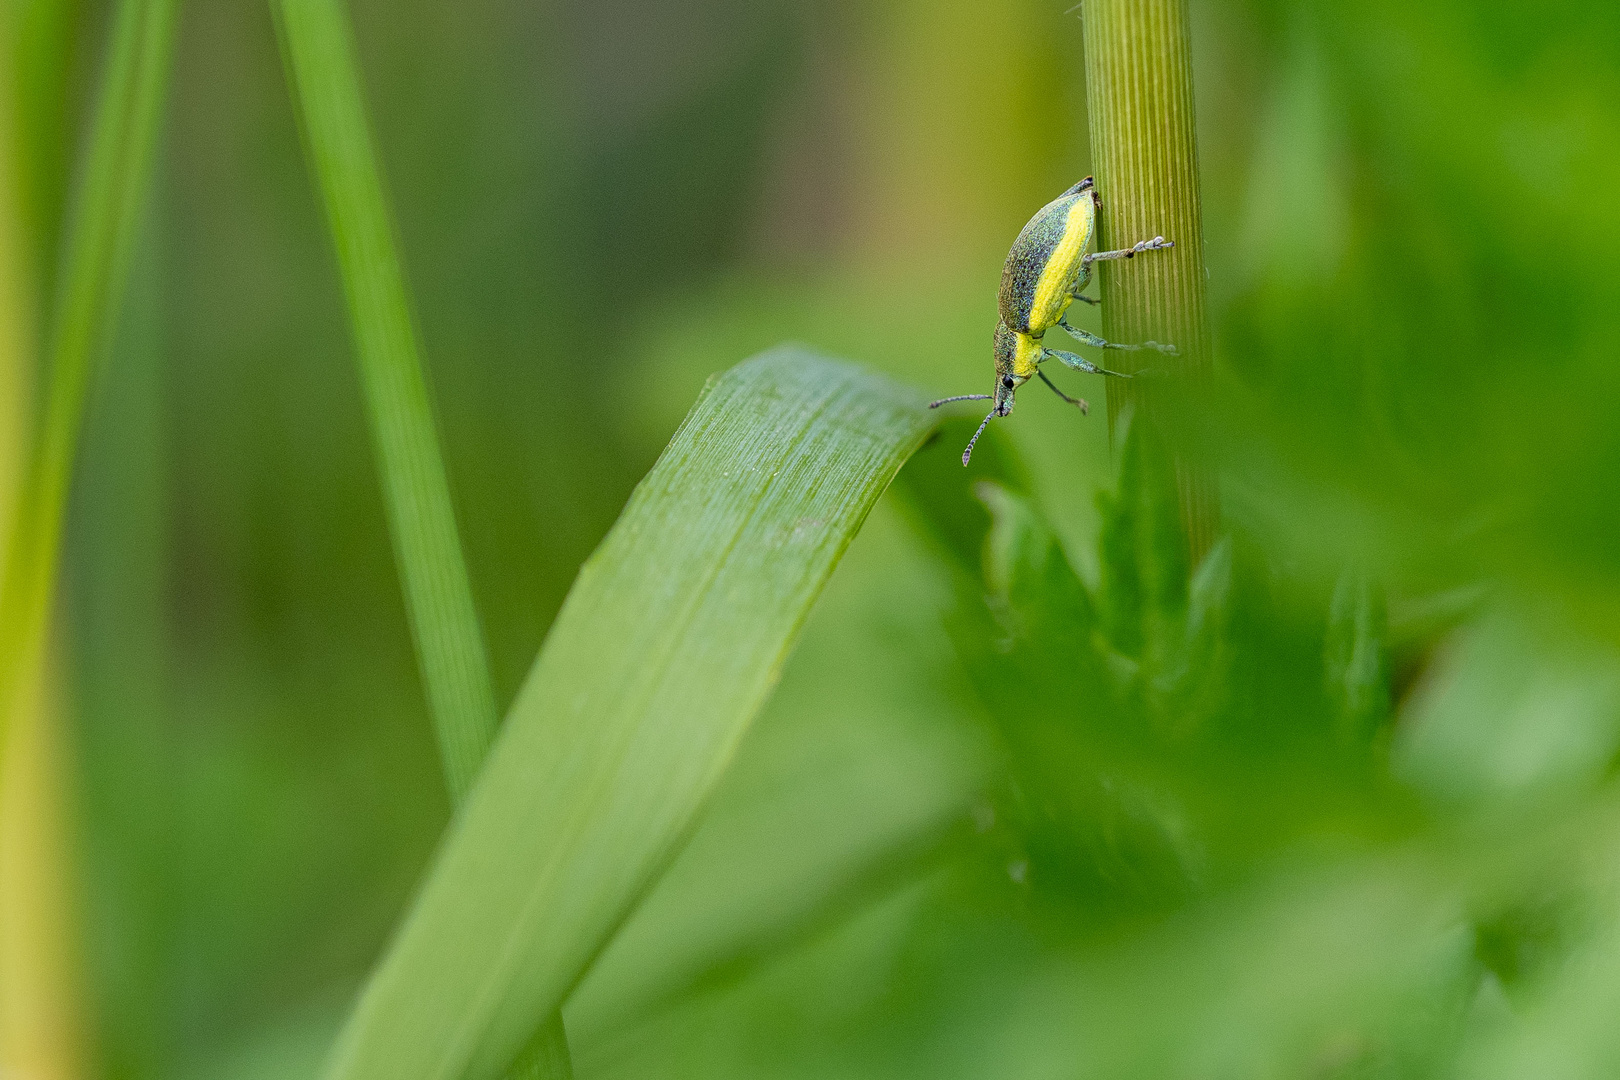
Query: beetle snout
<point x="1005" y="389"/>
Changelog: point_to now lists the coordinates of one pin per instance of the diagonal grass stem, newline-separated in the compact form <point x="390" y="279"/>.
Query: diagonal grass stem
<point x="107" y="204"/>
<point x="320" y="57"/>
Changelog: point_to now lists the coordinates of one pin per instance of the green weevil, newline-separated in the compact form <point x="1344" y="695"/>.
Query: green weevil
<point x="1047" y="270"/>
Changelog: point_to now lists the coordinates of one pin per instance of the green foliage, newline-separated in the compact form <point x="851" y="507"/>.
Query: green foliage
<point x="669" y="644"/>
<point x="1200" y="794"/>
<point x="1037" y="797"/>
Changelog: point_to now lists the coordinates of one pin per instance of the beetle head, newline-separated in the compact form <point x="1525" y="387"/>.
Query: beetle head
<point x="1007" y="378"/>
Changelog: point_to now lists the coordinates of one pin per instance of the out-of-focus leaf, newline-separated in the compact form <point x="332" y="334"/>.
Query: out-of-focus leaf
<point x="1144" y="550"/>
<point x="1192" y="685"/>
<point x="670" y="641"/>
<point x="1353" y="656"/>
<point x="1513" y="711"/>
<point x="1034" y="591"/>
<point x="1221" y="991"/>
<point x="1561" y="1025"/>
<point x="937" y="493"/>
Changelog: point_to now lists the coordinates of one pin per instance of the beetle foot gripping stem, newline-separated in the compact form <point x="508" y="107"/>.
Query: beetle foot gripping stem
<point x="1158" y="243"/>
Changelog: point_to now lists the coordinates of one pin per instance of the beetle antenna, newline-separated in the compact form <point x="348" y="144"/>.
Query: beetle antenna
<point x="968" y="453"/>
<point x="959" y="397"/>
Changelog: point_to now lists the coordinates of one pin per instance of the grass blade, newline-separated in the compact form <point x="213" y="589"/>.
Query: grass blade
<point x="319" y="53"/>
<point x="669" y="642"/>
<point x="111" y="193"/>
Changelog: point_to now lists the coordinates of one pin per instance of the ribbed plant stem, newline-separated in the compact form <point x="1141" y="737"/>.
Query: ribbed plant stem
<point x="1144" y="149"/>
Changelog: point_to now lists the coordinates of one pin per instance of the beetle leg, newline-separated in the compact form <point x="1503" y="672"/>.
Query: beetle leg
<point x="1080" y="403"/>
<point x="1081" y="280"/>
<point x="1086" y="337"/>
<point x="1079" y="363"/>
<point x="1158" y="243"/>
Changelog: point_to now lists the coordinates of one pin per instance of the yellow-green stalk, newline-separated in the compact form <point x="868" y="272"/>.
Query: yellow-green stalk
<point x="1144" y="149"/>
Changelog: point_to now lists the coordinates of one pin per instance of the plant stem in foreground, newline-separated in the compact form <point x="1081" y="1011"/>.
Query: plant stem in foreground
<point x="1144" y="147"/>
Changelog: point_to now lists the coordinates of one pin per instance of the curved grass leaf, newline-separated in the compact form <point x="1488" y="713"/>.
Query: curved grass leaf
<point x="855" y="782"/>
<point x="668" y="644"/>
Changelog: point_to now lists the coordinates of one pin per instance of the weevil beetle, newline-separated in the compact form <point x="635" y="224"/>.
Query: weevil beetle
<point x="1048" y="269"/>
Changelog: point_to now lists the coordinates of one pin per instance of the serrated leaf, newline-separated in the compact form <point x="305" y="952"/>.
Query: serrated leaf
<point x="1191" y="686"/>
<point x="1356" y="673"/>
<point x="1071" y="818"/>
<point x="1143" y="586"/>
<point x="671" y="639"/>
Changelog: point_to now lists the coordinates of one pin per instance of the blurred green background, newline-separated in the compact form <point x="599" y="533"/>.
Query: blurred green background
<point x="1413" y="244"/>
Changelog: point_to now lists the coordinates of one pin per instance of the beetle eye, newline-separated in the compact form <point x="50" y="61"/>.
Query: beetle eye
<point x="1007" y="381"/>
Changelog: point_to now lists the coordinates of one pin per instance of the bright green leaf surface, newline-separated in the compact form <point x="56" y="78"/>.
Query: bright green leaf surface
<point x="855" y="780"/>
<point x="670" y="641"/>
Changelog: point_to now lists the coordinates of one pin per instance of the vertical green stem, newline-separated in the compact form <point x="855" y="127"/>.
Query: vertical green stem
<point x="16" y="298"/>
<point x="112" y="190"/>
<point x="1144" y="146"/>
<point x="319" y="50"/>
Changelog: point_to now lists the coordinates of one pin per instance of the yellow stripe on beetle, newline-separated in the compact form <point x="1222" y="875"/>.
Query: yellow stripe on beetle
<point x="1054" y="289"/>
<point x="1046" y="271"/>
<point x="1026" y="356"/>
